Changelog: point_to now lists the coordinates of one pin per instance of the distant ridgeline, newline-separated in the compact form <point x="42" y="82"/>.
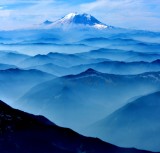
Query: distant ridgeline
<point x="99" y="80"/>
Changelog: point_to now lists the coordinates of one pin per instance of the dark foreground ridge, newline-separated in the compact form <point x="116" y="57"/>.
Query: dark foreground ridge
<point x="21" y="132"/>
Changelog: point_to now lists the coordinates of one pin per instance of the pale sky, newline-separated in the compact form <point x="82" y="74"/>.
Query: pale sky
<point x="137" y="14"/>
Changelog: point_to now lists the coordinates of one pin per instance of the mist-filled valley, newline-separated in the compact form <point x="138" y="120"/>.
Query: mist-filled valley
<point x="102" y="83"/>
<point x="135" y="123"/>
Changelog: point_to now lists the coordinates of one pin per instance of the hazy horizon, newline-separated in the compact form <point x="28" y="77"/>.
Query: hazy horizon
<point x="130" y="14"/>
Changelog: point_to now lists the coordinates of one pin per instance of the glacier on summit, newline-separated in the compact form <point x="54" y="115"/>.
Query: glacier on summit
<point x="75" y="19"/>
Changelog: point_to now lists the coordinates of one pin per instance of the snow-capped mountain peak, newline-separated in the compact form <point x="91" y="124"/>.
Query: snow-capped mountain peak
<point x="82" y="20"/>
<point x="70" y="16"/>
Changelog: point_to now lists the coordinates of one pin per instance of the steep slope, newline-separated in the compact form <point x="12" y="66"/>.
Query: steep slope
<point x="79" y="100"/>
<point x="73" y="20"/>
<point x="22" y="132"/>
<point x="134" y="125"/>
<point x="15" y="82"/>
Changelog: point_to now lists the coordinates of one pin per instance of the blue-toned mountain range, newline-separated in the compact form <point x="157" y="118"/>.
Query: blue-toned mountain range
<point x="97" y="79"/>
<point x="135" y="124"/>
